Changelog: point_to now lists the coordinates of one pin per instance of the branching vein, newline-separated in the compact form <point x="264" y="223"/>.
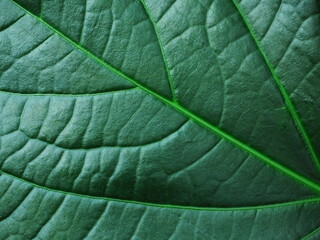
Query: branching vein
<point x="283" y="91"/>
<point x="214" y="129"/>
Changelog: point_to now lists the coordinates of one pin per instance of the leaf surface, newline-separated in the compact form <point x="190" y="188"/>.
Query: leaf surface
<point x="117" y="113"/>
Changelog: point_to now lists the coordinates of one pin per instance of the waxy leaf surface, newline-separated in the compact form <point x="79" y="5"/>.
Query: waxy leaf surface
<point x="148" y="119"/>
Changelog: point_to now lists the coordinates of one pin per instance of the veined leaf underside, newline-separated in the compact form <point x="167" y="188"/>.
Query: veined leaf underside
<point x="216" y="130"/>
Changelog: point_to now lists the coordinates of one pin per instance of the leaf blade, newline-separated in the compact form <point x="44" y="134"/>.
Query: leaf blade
<point x="283" y="91"/>
<point x="174" y="222"/>
<point x="61" y="158"/>
<point x="189" y="114"/>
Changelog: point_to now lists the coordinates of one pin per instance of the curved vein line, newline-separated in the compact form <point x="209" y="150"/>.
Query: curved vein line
<point x="4" y="217"/>
<point x="259" y="207"/>
<point x="51" y="216"/>
<point x="196" y="161"/>
<point x="174" y="98"/>
<point x="9" y="24"/>
<point x="314" y="232"/>
<point x="290" y="107"/>
<point x="214" y="129"/>
<point x="68" y="94"/>
<point x="164" y="138"/>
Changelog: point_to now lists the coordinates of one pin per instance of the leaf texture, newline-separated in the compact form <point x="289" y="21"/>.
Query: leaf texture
<point x="159" y="119"/>
<point x="107" y="219"/>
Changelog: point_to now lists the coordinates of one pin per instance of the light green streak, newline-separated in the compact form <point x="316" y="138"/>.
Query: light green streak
<point x="314" y="232"/>
<point x="69" y="94"/>
<point x="282" y="89"/>
<point x="162" y="51"/>
<point x="268" y="206"/>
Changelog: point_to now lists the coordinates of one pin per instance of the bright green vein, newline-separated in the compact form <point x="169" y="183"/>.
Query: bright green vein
<point x="283" y="91"/>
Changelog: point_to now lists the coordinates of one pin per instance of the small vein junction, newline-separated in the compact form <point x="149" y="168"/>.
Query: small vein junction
<point x="173" y="104"/>
<point x="283" y="91"/>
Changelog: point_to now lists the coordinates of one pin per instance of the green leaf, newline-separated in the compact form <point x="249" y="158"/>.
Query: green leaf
<point x="148" y="119"/>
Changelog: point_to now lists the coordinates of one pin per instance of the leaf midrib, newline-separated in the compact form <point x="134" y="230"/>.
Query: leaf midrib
<point x="159" y="205"/>
<point x="279" y="167"/>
